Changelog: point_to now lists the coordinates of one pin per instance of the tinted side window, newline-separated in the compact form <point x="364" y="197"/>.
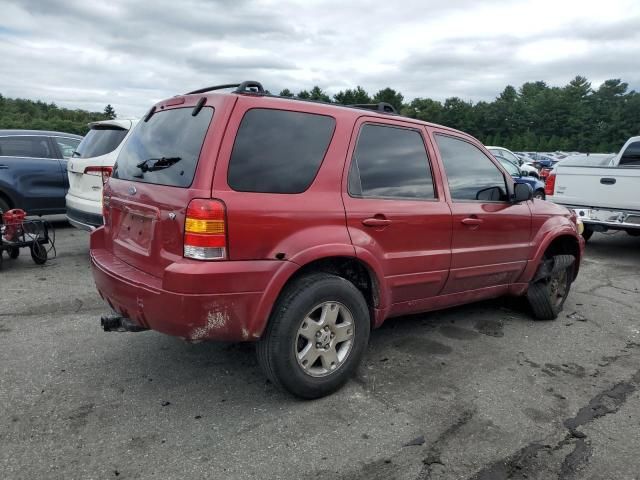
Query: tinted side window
<point x="278" y="151"/>
<point x="99" y="141"/>
<point x="631" y="156"/>
<point x="25" y="146"/>
<point x="390" y="162"/>
<point x="470" y="173"/>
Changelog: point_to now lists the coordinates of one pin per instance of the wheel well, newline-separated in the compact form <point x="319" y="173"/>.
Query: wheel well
<point x="348" y="268"/>
<point x="565" y="245"/>
<point x="6" y="198"/>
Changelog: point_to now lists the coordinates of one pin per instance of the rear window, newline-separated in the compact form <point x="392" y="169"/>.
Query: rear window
<point x="99" y="141"/>
<point x="165" y="149"/>
<point x="278" y="151"/>
<point x="631" y="156"/>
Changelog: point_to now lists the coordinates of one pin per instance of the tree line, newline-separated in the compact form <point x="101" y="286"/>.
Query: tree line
<point x="534" y="117"/>
<point x="37" y="115"/>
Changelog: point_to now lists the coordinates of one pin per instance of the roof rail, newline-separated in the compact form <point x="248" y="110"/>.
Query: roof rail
<point x="248" y="86"/>
<point x="380" y="107"/>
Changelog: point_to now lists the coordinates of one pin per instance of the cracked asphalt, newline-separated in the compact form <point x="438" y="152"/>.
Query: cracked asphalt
<point x="476" y="392"/>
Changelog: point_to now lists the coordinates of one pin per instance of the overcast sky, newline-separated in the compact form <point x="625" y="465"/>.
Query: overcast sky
<point x="85" y="54"/>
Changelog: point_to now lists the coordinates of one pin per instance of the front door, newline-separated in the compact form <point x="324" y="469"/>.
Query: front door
<point x="491" y="235"/>
<point x="396" y="216"/>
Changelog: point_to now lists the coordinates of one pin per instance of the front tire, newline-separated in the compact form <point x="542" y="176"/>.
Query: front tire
<point x="587" y="234"/>
<point x="550" y="288"/>
<point x="316" y="337"/>
<point x="539" y="194"/>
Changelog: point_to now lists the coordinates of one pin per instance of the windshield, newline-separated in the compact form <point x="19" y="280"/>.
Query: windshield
<point x="165" y="149"/>
<point x="100" y="140"/>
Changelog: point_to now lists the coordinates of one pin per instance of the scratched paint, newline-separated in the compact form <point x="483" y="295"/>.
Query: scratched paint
<point x="216" y="319"/>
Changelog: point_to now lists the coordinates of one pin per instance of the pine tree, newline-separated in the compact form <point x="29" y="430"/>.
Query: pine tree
<point x="109" y="112"/>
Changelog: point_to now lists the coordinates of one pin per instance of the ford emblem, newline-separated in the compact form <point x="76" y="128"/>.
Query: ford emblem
<point x="132" y="190"/>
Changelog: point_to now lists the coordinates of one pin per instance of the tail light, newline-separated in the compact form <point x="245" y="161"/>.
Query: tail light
<point x="550" y="184"/>
<point x="205" y="232"/>
<point x="104" y="172"/>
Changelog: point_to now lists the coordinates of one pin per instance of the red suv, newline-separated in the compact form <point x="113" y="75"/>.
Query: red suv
<point x="301" y="226"/>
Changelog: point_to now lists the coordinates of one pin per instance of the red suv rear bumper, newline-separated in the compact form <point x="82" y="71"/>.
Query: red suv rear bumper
<point x="228" y="301"/>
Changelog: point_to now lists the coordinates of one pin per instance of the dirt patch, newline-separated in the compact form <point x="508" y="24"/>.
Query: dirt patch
<point x="421" y="346"/>
<point x="492" y="328"/>
<point x="457" y="333"/>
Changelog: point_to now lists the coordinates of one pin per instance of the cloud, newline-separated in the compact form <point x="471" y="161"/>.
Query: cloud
<point x="132" y="54"/>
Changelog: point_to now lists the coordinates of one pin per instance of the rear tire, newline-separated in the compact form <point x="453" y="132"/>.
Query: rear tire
<point x="633" y="233"/>
<point x="316" y="337"/>
<point x="547" y="295"/>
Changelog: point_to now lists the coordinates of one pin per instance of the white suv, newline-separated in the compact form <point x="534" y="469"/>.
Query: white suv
<point x="90" y="166"/>
<point x="513" y="158"/>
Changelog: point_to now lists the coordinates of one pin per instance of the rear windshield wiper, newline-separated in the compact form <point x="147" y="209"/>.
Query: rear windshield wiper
<point x="153" y="164"/>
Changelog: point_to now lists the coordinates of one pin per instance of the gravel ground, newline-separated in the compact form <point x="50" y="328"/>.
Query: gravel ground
<point x="476" y="392"/>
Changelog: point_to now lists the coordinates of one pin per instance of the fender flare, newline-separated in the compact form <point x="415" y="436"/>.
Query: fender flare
<point x="293" y="265"/>
<point x="542" y="246"/>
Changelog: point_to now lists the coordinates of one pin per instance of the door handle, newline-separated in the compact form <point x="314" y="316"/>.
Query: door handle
<point x="376" y="222"/>
<point x="607" y="181"/>
<point x="4" y="167"/>
<point x="471" y="221"/>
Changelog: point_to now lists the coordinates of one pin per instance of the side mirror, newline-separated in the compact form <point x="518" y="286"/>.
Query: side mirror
<point x="522" y="192"/>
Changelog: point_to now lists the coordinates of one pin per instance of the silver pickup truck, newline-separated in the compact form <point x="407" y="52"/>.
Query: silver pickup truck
<point x="603" y="191"/>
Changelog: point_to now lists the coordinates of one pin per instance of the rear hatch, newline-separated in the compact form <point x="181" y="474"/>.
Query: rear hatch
<point x="98" y="149"/>
<point x="167" y="161"/>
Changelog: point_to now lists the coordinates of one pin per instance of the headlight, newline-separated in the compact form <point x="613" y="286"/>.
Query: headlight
<point x="579" y="226"/>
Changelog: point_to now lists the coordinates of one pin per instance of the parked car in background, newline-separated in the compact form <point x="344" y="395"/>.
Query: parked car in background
<point x="542" y="161"/>
<point x="528" y="168"/>
<point x="603" y="192"/>
<point x="536" y="184"/>
<point x="33" y="166"/>
<point x="229" y="216"/>
<point x="90" y="166"/>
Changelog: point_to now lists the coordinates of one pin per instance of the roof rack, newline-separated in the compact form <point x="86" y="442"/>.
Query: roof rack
<point x="255" y="88"/>
<point x="380" y="107"/>
<point x="248" y="86"/>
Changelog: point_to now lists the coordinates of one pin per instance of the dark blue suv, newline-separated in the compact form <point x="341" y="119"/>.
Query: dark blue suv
<point x="33" y="170"/>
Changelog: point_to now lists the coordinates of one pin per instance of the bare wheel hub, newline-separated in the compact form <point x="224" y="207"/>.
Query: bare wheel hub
<point x="324" y="339"/>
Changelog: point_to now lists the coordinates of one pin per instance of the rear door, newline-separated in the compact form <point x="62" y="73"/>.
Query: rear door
<point x="146" y="200"/>
<point x="396" y="214"/>
<point x="491" y="235"/>
<point x="30" y="163"/>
